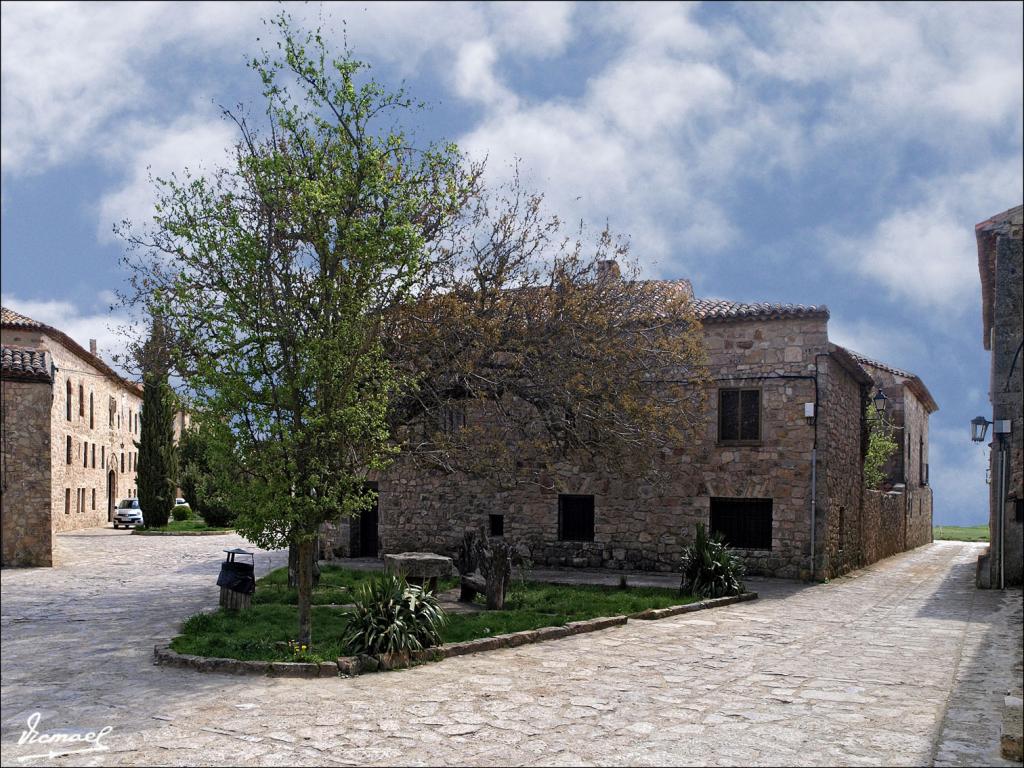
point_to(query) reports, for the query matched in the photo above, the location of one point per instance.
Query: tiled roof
(914, 382)
(24, 364)
(717, 310)
(864, 360)
(11, 319)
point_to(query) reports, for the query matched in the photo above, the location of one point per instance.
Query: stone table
(420, 568)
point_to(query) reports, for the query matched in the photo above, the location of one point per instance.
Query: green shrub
(217, 514)
(710, 568)
(182, 512)
(391, 616)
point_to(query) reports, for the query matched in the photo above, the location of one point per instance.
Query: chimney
(92, 346)
(609, 268)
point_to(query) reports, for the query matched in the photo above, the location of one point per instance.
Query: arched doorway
(111, 495)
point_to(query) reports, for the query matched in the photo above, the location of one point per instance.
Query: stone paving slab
(898, 664)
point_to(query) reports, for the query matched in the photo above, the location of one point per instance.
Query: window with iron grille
(743, 523)
(739, 415)
(497, 523)
(575, 517)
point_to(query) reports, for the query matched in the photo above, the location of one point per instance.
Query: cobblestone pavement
(898, 664)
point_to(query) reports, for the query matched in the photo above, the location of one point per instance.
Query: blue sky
(834, 154)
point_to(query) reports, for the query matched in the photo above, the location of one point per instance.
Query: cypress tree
(158, 461)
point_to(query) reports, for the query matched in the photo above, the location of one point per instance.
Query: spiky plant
(392, 616)
(710, 568)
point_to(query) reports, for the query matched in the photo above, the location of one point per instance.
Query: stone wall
(641, 524)
(883, 525)
(840, 443)
(25, 459)
(919, 526)
(1006, 393)
(109, 425)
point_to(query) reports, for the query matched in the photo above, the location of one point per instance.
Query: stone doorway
(363, 532)
(111, 495)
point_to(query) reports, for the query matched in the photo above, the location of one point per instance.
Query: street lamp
(1001, 431)
(979, 428)
(880, 401)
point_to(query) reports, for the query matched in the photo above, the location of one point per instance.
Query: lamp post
(1001, 430)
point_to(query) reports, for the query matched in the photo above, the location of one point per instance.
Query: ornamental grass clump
(392, 616)
(710, 568)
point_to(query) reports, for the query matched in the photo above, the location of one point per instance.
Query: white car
(128, 513)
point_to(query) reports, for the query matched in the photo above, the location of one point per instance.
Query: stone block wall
(840, 443)
(1006, 394)
(641, 524)
(883, 525)
(25, 471)
(919, 526)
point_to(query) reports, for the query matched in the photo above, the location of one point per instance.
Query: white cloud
(197, 142)
(886, 343)
(71, 68)
(926, 253)
(94, 322)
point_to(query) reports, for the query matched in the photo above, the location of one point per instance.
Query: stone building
(899, 517)
(777, 469)
(1002, 312)
(69, 422)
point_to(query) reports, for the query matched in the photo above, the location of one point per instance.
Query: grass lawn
(261, 633)
(960, 532)
(181, 526)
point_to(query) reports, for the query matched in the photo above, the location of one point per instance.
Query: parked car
(180, 502)
(128, 513)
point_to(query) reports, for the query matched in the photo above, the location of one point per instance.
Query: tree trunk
(306, 560)
(496, 592)
(293, 564)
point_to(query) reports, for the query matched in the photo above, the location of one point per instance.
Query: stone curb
(652, 614)
(349, 666)
(181, 533)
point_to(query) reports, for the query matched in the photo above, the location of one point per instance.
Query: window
(922, 467)
(67, 408)
(111, 410)
(92, 416)
(67, 501)
(94, 455)
(739, 415)
(452, 418)
(743, 523)
(81, 400)
(85, 455)
(122, 461)
(103, 457)
(69, 449)
(94, 498)
(575, 517)
(1018, 510)
(497, 525)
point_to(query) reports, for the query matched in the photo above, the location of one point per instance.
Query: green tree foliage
(338, 293)
(201, 487)
(158, 465)
(881, 446)
(273, 274)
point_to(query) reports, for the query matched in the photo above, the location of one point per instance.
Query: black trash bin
(237, 580)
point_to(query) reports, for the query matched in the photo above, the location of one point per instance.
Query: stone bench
(420, 568)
